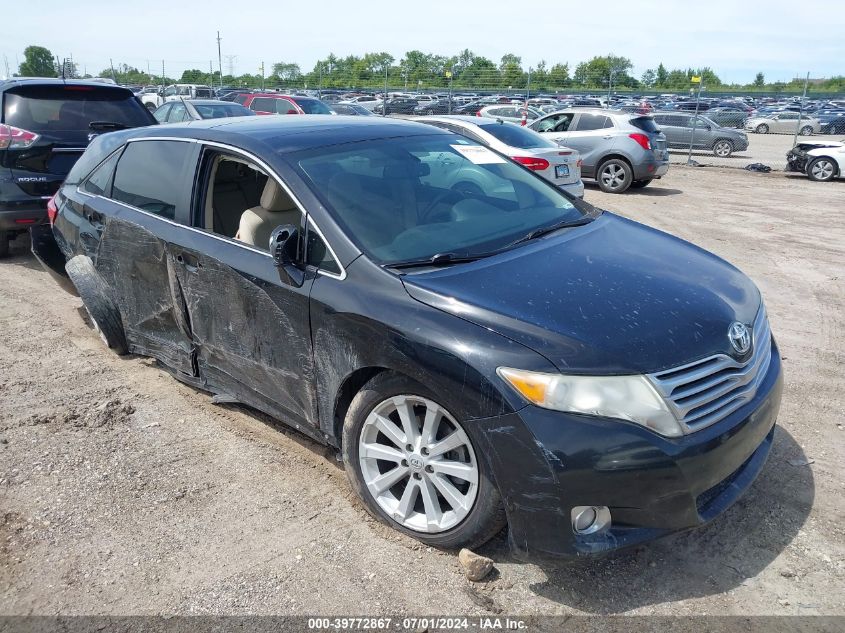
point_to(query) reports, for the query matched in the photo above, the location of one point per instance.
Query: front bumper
(546, 462)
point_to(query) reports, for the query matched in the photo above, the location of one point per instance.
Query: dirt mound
(102, 414)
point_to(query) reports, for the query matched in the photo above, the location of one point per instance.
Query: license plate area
(561, 171)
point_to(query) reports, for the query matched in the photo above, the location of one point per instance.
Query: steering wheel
(437, 200)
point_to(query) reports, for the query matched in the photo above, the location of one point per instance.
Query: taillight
(16, 138)
(52, 209)
(537, 164)
(642, 140)
(478, 113)
(579, 163)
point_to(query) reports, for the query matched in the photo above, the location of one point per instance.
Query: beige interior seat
(276, 209)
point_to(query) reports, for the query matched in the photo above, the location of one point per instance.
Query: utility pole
(219, 59)
(384, 108)
(6, 63)
(262, 75)
(162, 76)
(210, 75)
(695, 118)
(149, 74)
(320, 80)
(113, 76)
(801, 111)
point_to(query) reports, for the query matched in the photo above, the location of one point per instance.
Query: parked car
(783, 123)
(397, 105)
(509, 112)
(45, 125)
(728, 116)
(470, 108)
(440, 106)
(476, 359)
(561, 166)
(820, 160)
(176, 92)
(352, 109)
(236, 96)
(618, 149)
(682, 129)
(273, 103)
(831, 121)
(365, 101)
(198, 109)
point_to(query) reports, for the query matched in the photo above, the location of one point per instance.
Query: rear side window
(149, 174)
(99, 182)
(587, 122)
(58, 110)
(264, 104)
(645, 123)
(313, 106)
(516, 136)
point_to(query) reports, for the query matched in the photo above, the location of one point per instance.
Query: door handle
(190, 262)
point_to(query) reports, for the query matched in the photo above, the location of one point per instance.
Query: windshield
(516, 136)
(312, 106)
(412, 198)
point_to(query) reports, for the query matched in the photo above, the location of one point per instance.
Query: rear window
(53, 110)
(312, 106)
(645, 123)
(516, 136)
(220, 111)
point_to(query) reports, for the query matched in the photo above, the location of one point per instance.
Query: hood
(611, 297)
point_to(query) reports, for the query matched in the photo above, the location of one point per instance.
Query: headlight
(629, 398)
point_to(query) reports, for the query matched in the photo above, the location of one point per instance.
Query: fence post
(801, 111)
(695, 119)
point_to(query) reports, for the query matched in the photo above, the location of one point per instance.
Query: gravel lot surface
(769, 149)
(123, 491)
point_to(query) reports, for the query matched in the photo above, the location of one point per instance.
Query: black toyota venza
(482, 348)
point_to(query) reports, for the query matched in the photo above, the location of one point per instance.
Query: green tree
(559, 76)
(597, 72)
(759, 80)
(193, 76)
(661, 76)
(649, 78)
(38, 62)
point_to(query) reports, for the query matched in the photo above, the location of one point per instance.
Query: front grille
(705, 391)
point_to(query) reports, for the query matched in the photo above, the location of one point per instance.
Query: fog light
(590, 519)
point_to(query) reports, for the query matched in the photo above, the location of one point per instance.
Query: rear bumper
(47, 253)
(19, 211)
(546, 463)
(652, 168)
(575, 188)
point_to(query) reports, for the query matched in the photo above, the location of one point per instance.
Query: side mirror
(284, 241)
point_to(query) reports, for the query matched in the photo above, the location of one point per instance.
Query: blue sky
(783, 39)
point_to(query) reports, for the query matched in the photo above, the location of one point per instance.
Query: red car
(273, 103)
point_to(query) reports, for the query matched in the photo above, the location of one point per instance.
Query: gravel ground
(123, 491)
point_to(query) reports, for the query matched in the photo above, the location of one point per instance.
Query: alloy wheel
(722, 149)
(613, 176)
(418, 464)
(822, 170)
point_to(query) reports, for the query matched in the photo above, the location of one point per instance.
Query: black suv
(45, 125)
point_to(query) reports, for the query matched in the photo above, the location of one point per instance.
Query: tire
(4, 244)
(614, 176)
(723, 148)
(383, 498)
(96, 297)
(762, 129)
(807, 130)
(822, 169)
(639, 184)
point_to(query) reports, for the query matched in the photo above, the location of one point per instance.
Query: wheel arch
(811, 159)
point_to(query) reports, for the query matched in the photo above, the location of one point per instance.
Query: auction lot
(123, 491)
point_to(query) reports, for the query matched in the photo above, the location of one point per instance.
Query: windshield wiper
(545, 230)
(99, 126)
(441, 259)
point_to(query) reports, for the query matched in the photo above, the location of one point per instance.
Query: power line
(230, 63)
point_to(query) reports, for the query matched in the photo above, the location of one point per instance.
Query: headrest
(406, 170)
(274, 198)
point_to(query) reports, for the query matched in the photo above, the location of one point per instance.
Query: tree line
(421, 70)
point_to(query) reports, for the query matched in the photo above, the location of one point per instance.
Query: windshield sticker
(477, 154)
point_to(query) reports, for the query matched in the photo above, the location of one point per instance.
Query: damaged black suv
(45, 125)
(480, 347)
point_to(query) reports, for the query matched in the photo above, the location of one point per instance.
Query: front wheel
(806, 131)
(723, 149)
(762, 129)
(614, 176)
(417, 468)
(821, 169)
